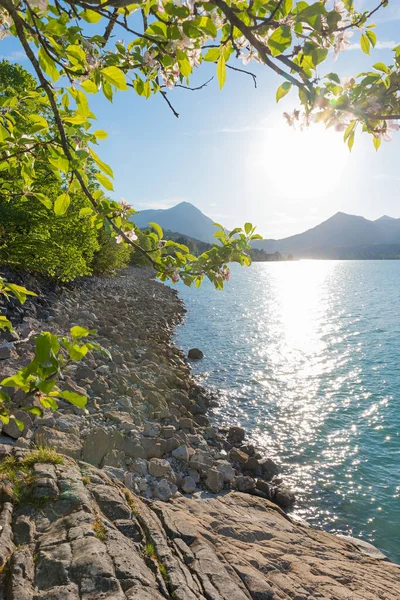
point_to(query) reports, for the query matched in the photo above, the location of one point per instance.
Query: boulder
(159, 467)
(163, 490)
(181, 453)
(7, 351)
(284, 496)
(201, 460)
(245, 484)
(12, 429)
(151, 430)
(238, 456)
(226, 469)
(265, 488)
(195, 354)
(214, 480)
(97, 444)
(188, 485)
(153, 447)
(269, 468)
(236, 434)
(66, 443)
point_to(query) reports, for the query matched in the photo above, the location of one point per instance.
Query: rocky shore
(149, 500)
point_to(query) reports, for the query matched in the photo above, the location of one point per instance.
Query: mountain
(342, 236)
(183, 218)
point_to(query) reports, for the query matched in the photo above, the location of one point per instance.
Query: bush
(110, 256)
(34, 239)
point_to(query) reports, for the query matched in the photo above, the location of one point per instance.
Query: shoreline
(192, 489)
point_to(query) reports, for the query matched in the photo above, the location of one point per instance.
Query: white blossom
(131, 235)
(40, 4)
(387, 131)
(341, 42)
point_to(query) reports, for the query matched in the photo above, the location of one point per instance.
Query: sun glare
(300, 164)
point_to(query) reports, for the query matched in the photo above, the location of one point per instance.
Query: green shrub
(110, 256)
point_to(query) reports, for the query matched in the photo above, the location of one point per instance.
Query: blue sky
(231, 154)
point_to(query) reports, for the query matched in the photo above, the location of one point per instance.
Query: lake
(306, 356)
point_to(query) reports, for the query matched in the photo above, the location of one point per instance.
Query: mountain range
(182, 218)
(341, 236)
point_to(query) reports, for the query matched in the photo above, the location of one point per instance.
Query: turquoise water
(306, 356)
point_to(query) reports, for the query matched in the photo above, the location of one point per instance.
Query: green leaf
(105, 181)
(100, 134)
(43, 348)
(377, 142)
(221, 71)
(5, 323)
(39, 123)
(184, 64)
(115, 76)
(212, 55)
(48, 65)
(371, 35)
(280, 40)
(102, 165)
(74, 398)
(90, 16)
(44, 200)
(79, 332)
(283, 90)
(35, 410)
(158, 229)
(248, 227)
(380, 66)
(61, 204)
(76, 54)
(85, 211)
(365, 44)
(350, 141)
(89, 86)
(48, 402)
(19, 424)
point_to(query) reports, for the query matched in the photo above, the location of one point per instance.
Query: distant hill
(183, 218)
(342, 236)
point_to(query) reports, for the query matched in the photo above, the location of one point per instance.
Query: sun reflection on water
(308, 362)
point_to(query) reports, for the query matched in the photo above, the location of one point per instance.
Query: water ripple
(306, 356)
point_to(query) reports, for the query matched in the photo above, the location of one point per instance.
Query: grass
(132, 505)
(11, 466)
(99, 530)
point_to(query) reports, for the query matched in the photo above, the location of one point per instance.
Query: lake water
(306, 356)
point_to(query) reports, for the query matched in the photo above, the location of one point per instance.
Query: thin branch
(364, 18)
(194, 89)
(110, 25)
(245, 72)
(165, 96)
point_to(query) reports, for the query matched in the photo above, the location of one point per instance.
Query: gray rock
(215, 480)
(68, 444)
(269, 468)
(151, 429)
(96, 446)
(139, 466)
(245, 484)
(163, 490)
(159, 467)
(13, 430)
(201, 460)
(226, 469)
(265, 488)
(186, 423)
(238, 456)
(236, 434)
(284, 496)
(188, 485)
(181, 453)
(153, 447)
(7, 351)
(168, 431)
(195, 354)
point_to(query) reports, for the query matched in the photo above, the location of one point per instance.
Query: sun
(300, 163)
